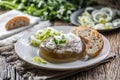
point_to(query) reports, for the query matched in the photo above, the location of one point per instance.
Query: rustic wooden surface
(109, 3)
(108, 71)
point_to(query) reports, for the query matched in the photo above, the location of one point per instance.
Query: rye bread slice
(93, 40)
(16, 22)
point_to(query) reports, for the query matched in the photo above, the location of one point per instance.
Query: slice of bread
(16, 22)
(93, 40)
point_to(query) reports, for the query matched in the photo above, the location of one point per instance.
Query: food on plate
(39, 60)
(86, 20)
(42, 34)
(92, 38)
(57, 47)
(16, 22)
(63, 48)
(104, 18)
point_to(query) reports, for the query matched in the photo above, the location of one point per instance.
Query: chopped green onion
(55, 41)
(39, 60)
(42, 35)
(34, 42)
(63, 40)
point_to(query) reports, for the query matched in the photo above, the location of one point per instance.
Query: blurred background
(54, 9)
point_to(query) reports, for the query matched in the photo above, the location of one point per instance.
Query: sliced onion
(108, 11)
(118, 12)
(89, 9)
(86, 14)
(94, 12)
(108, 25)
(99, 15)
(86, 21)
(116, 22)
(99, 26)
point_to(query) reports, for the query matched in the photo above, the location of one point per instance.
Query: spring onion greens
(41, 35)
(39, 60)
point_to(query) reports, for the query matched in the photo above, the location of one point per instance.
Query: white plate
(27, 52)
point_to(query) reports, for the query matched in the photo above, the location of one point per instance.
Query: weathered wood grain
(110, 3)
(108, 71)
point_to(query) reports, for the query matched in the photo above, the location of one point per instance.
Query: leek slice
(39, 60)
(41, 35)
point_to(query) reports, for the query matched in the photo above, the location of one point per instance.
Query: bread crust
(97, 53)
(87, 39)
(16, 22)
(100, 49)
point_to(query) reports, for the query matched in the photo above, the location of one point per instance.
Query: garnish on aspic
(41, 35)
(54, 38)
(61, 40)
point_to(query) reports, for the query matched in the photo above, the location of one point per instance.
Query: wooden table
(108, 71)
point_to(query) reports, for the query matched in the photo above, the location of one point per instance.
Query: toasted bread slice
(16, 22)
(93, 40)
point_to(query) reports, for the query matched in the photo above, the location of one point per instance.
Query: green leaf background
(46, 9)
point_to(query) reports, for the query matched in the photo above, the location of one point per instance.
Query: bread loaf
(16, 22)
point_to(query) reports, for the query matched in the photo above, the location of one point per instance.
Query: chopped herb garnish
(39, 60)
(41, 36)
